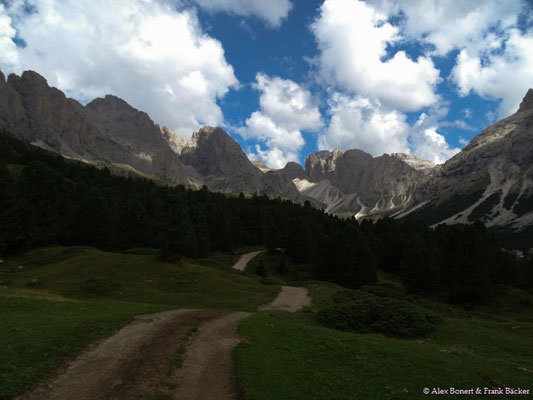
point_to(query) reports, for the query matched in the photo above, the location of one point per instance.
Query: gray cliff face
(33, 111)
(225, 167)
(321, 165)
(355, 183)
(222, 163)
(143, 139)
(42, 115)
(491, 179)
(281, 181)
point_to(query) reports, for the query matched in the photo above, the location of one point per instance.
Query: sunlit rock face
(491, 179)
(355, 183)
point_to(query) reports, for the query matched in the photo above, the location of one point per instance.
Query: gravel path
(134, 363)
(208, 368)
(245, 259)
(290, 299)
(130, 364)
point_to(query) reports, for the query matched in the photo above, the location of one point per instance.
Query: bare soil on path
(130, 364)
(245, 259)
(208, 368)
(136, 362)
(290, 299)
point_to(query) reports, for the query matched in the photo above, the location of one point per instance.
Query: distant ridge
(490, 180)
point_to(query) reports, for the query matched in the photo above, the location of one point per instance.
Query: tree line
(46, 199)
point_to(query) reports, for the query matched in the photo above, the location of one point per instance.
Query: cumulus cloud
(427, 143)
(447, 25)
(8, 48)
(353, 38)
(155, 57)
(360, 123)
(495, 57)
(274, 12)
(359, 57)
(273, 157)
(498, 72)
(286, 109)
(357, 122)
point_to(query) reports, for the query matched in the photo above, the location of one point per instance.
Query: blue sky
(288, 77)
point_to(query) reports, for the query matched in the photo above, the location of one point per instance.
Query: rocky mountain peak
(321, 165)
(294, 170)
(174, 140)
(33, 78)
(259, 164)
(527, 102)
(414, 161)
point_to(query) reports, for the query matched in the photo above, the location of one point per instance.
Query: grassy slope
(40, 328)
(141, 278)
(38, 332)
(292, 357)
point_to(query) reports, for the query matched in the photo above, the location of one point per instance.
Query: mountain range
(490, 180)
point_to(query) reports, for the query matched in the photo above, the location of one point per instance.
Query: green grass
(87, 273)
(39, 332)
(180, 353)
(293, 357)
(85, 294)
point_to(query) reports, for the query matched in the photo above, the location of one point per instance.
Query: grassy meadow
(293, 357)
(55, 301)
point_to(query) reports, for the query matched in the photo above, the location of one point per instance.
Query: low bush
(391, 317)
(384, 290)
(349, 296)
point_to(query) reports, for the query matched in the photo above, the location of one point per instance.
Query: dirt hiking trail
(128, 365)
(245, 259)
(290, 299)
(137, 362)
(208, 368)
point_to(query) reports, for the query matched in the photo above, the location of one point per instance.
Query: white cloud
(288, 103)
(427, 143)
(451, 24)
(463, 141)
(286, 109)
(360, 123)
(502, 73)
(274, 157)
(467, 112)
(8, 49)
(155, 57)
(353, 37)
(357, 122)
(261, 127)
(358, 57)
(495, 59)
(271, 11)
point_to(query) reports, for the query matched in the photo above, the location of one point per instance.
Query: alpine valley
(490, 180)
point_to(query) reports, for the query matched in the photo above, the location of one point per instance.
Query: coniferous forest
(46, 200)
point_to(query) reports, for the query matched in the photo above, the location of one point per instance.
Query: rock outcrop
(491, 179)
(355, 183)
(144, 140)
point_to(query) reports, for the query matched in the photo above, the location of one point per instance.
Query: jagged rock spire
(527, 102)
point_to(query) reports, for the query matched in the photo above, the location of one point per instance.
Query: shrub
(384, 290)
(391, 317)
(349, 296)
